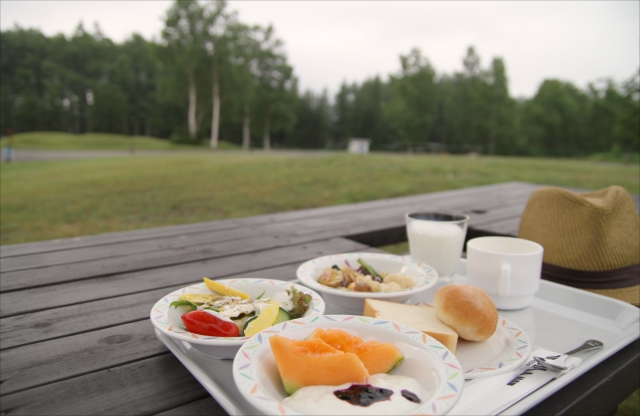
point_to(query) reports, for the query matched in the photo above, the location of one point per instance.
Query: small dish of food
(347, 279)
(217, 316)
(346, 364)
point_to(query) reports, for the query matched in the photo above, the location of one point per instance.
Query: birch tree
(244, 63)
(186, 32)
(217, 44)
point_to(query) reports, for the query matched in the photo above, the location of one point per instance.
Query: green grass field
(96, 141)
(50, 200)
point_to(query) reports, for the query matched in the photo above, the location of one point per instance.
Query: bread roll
(468, 310)
(420, 317)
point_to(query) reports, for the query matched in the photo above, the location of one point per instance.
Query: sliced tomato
(208, 323)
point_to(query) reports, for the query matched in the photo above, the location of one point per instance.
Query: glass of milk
(437, 239)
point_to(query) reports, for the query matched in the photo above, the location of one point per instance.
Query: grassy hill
(97, 141)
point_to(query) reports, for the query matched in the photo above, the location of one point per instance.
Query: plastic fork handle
(591, 344)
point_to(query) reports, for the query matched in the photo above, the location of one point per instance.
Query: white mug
(507, 268)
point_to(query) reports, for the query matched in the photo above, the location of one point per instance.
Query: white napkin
(493, 395)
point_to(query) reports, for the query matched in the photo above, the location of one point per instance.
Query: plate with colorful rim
(426, 360)
(505, 350)
(168, 320)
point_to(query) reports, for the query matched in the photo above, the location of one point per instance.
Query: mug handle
(505, 281)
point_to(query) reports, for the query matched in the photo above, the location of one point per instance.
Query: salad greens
(300, 303)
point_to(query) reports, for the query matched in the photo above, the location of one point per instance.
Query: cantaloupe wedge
(313, 362)
(337, 338)
(377, 357)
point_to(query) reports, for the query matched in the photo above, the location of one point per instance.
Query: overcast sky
(328, 42)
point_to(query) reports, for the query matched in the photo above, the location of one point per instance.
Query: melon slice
(377, 357)
(313, 362)
(337, 338)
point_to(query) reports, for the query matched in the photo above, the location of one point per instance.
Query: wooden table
(75, 336)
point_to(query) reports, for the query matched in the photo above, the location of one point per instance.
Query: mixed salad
(364, 278)
(229, 312)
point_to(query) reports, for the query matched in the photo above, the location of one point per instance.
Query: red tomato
(204, 323)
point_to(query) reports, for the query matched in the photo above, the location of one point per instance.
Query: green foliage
(312, 127)
(46, 200)
(411, 111)
(555, 118)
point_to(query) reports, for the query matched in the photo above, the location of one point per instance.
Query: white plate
(437, 370)
(423, 275)
(222, 347)
(508, 348)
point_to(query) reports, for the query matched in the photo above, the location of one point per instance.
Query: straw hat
(591, 240)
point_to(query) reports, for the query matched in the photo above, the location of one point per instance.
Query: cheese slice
(200, 298)
(420, 317)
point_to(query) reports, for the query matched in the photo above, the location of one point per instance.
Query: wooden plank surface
(65, 358)
(70, 293)
(149, 386)
(206, 406)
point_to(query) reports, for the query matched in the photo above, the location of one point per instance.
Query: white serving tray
(560, 318)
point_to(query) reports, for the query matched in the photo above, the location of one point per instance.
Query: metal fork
(556, 362)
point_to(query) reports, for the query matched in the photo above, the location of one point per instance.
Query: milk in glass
(439, 244)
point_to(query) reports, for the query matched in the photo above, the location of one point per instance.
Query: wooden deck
(75, 336)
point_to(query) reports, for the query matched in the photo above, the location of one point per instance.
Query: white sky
(328, 42)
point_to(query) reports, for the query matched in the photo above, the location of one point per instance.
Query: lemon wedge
(266, 318)
(223, 289)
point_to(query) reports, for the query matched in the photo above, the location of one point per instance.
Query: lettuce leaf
(300, 302)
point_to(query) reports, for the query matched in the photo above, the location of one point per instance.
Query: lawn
(94, 141)
(51, 200)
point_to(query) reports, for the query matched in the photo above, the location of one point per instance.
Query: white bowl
(352, 302)
(434, 367)
(169, 322)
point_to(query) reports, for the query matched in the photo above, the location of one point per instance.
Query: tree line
(212, 77)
